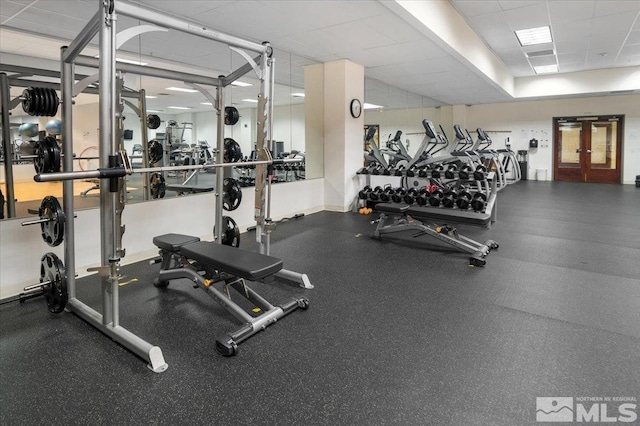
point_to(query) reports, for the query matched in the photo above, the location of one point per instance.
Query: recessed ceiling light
(371, 106)
(240, 83)
(206, 103)
(255, 101)
(178, 107)
(533, 36)
(150, 96)
(546, 69)
(152, 110)
(298, 95)
(182, 89)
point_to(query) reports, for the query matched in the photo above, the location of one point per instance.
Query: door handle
(578, 151)
(588, 151)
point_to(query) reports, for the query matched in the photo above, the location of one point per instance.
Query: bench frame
(174, 265)
(394, 219)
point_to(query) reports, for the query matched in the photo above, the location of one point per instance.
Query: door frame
(581, 174)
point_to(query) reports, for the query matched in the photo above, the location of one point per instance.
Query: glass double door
(588, 149)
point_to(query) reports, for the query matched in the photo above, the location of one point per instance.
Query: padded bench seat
(391, 208)
(191, 189)
(455, 216)
(241, 263)
(173, 242)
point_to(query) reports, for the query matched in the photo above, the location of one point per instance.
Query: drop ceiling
(403, 66)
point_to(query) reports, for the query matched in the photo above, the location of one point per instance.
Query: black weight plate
(55, 293)
(27, 102)
(157, 185)
(54, 151)
(232, 194)
(153, 121)
(230, 232)
(155, 151)
(43, 159)
(231, 115)
(44, 106)
(54, 102)
(53, 230)
(232, 151)
(37, 102)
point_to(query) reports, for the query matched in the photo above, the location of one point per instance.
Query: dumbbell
(436, 197)
(400, 170)
(435, 172)
(387, 171)
(464, 172)
(411, 171)
(410, 196)
(386, 194)
(479, 174)
(478, 202)
(422, 172)
(398, 195)
(464, 199)
(375, 194)
(449, 198)
(450, 172)
(363, 194)
(376, 170)
(422, 197)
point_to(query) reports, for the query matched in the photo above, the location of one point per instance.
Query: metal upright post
(219, 160)
(142, 105)
(67, 74)
(107, 130)
(262, 151)
(6, 146)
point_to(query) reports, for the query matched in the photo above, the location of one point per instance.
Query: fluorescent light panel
(371, 106)
(255, 101)
(298, 95)
(206, 103)
(150, 96)
(533, 36)
(546, 69)
(152, 110)
(182, 89)
(178, 107)
(241, 84)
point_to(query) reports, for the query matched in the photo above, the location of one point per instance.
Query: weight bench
(182, 189)
(401, 217)
(208, 263)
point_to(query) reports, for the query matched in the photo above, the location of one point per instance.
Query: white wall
(22, 248)
(520, 121)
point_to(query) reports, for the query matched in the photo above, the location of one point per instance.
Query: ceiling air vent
(538, 53)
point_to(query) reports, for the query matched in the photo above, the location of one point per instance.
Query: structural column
(334, 85)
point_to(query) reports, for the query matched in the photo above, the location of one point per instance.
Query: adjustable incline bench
(401, 217)
(208, 263)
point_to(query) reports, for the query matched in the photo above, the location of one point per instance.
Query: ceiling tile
(610, 7)
(517, 4)
(612, 23)
(357, 35)
(470, 8)
(393, 28)
(563, 11)
(527, 17)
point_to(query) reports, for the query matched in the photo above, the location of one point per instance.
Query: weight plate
(158, 186)
(232, 151)
(44, 106)
(155, 151)
(54, 102)
(55, 293)
(43, 159)
(53, 230)
(232, 194)
(230, 232)
(54, 149)
(153, 121)
(231, 115)
(26, 101)
(37, 102)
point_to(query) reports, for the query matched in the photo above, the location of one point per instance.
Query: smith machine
(115, 165)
